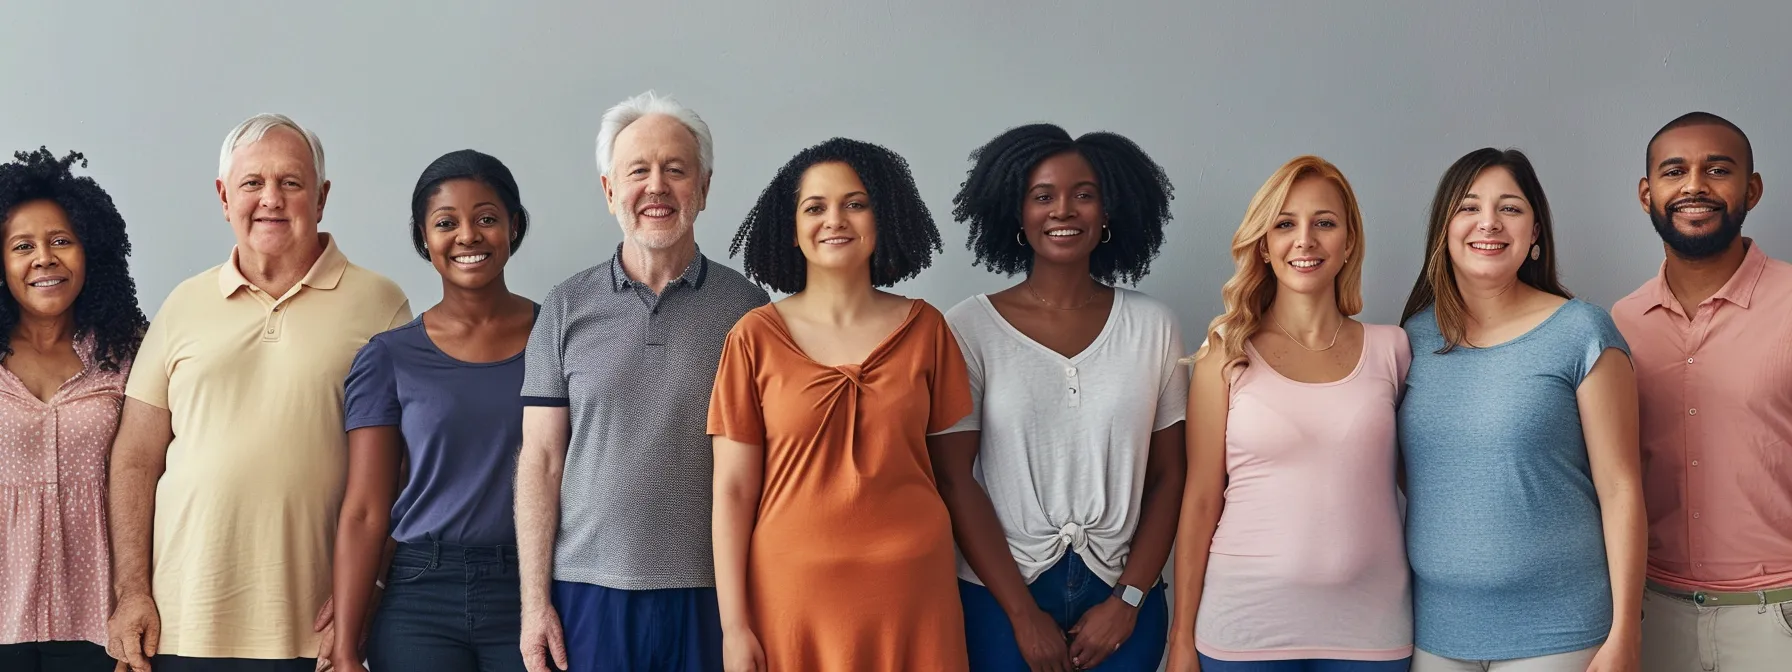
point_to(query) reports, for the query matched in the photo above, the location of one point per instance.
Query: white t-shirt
(1065, 440)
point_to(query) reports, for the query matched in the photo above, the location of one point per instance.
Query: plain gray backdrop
(1220, 93)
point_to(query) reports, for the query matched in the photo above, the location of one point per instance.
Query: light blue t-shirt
(1503, 527)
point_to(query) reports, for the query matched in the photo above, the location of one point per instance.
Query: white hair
(254, 128)
(632, 110)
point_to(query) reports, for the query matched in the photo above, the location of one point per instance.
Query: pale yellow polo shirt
(245, 515)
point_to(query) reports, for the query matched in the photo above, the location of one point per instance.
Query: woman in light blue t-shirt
(1525, 526)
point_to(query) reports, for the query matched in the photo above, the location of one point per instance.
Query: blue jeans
(1065, 591)
(667, 630)
(449, 608)
(1309, 665)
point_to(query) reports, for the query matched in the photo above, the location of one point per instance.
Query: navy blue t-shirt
(462, 423)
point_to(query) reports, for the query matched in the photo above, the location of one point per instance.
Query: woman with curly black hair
(1066, 480)
(833, 549)
(71, 325)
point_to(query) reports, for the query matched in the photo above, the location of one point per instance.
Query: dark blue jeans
(665, 630)
(449, 608)
(1310, 665)
(1066, 592)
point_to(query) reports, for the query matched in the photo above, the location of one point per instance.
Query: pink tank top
(1309, 559)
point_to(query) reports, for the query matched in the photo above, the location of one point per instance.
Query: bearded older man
(613, 482)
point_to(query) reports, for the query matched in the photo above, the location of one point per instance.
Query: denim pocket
(405, 572)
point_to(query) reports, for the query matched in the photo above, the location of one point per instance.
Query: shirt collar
(1739, 289)
(692, 277)
(325, 273)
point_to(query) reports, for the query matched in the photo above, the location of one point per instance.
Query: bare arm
(1203, 495)
(739, 479)
(139, 456)
(974, 523)
(1166, 475)
(1608, 411)
(547, 430)
(361, 530)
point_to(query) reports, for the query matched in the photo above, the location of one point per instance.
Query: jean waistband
(436, 553)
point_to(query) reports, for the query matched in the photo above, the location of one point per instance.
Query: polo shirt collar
(692, 277)
(325, 273)
(1739, 289)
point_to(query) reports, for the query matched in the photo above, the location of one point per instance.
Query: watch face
(1131, 596)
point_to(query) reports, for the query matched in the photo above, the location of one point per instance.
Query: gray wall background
(1221, 93)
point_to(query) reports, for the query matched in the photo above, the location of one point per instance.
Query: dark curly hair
(107, 307)
(1135, 196)
(467, 164)
(906, 235)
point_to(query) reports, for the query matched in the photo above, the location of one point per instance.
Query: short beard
(1703, 246)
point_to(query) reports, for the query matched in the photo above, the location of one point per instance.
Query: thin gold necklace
(1303, 346)
(1029, 285)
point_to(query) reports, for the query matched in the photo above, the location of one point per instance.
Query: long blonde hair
(1252, 288)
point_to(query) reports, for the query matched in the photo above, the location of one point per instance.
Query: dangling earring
(1536, 251)
(1107, 234)
(1019, 239)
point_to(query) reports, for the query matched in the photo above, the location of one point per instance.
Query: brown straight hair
(1436, 285)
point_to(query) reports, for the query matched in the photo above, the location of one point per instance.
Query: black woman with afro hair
(1080, 407)
(824, 497)
(71, 325)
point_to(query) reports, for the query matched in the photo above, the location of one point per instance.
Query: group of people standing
(657, 467)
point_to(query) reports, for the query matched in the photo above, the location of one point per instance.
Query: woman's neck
(1062, 285)
(476, 306)
(1490, 302)
(1311, 319)
(44, 333)
(837, 297)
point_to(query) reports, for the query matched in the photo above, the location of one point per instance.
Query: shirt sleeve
(544, 370)
(1604, 336)
(1172, 392)
(735, 411)
(148, 379)
(370, 395)
(973, 362)
(949, 386)
(402, 316)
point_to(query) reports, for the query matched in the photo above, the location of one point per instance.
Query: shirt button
(1695, 463)
(1688, 360)
(1695, 515)
(1070, 373)
(1692, 411)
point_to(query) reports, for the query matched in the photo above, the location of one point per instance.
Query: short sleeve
(148, 380)
(1172, 392)
(370, 394)
(402, 316)
(949, 386)
(1602, 335)
(973, 362)
(544, 370)
(735, 412)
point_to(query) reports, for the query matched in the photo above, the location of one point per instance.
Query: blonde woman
(1290, 554)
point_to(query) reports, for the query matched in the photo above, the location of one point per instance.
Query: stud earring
(1536, 252)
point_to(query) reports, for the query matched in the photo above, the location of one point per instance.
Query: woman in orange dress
(833, 549)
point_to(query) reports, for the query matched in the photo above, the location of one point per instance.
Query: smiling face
(45, 263)
(468, 233)
(658, 184)
(1062, 216)
(1309, 241)
(1699, 189)
(271, 196)
(1492, 229)
(835, 227)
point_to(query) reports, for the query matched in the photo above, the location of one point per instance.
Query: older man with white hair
(230, 460)
(613, 482)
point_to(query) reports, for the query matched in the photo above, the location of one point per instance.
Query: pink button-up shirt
(55, 576)
(1716, 399)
